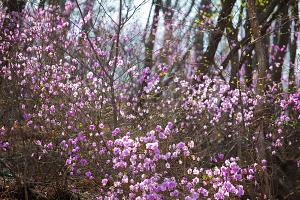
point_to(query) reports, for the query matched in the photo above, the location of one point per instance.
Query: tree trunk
(293, 44)
(260, 87)
(283, 39)
(149, 47)
(216, 36)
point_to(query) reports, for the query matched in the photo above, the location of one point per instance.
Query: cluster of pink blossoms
(145, 168)
(65, 97)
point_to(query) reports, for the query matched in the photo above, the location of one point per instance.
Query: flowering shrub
(143, 168)
(77, 108)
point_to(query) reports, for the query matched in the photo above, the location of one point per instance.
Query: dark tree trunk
(216, 36)
(260, 87)
(283, 39)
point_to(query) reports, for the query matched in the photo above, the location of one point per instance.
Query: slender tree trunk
(149, 47)
(168, 13)
(260, 87)
(232, 40)
(117, 51)
(216, 36)
(293, 44)
(283, 39)
(259, 47)
(199, 37)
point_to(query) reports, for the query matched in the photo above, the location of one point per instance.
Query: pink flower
(104, 181)
(116, 132)
(90, 75)
(92, 127)
(83, 162)
(88, 174)
(101, 125)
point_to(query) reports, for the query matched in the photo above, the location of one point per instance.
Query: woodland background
(149, 99)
